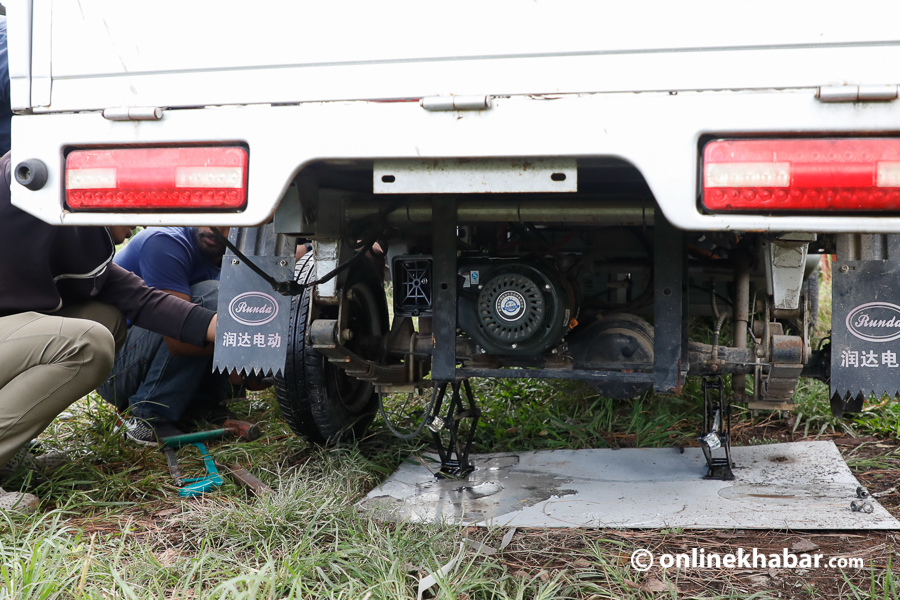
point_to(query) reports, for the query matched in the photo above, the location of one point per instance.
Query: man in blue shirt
(158, 380)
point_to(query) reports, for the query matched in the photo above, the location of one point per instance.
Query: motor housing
(514, 307)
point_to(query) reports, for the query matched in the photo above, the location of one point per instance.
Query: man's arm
(157, 310)
(177, 348)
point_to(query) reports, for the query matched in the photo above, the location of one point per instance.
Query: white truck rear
(547, 177)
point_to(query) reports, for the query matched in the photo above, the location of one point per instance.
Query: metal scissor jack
(716, 430)
(454, 455)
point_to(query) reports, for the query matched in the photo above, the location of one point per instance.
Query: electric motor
(514, 307)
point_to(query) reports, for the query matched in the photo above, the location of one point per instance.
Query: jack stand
(716, 430)
(454, 459)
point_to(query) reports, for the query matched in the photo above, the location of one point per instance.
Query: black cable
(707, 290)
(292, 288)
(414, 434)
(253, 267)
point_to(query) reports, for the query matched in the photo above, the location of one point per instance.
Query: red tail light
(157, 178)
(802, 175)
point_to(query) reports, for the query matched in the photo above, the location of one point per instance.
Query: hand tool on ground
(188, 488)
(245, 478)
(199, 485)
(242, 429)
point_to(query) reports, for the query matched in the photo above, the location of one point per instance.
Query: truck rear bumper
(658, 133)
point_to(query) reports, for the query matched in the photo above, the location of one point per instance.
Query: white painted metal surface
(275, 51)
(327, 257)
(568, 79)
(492, 176)
(785, 270)
(802, 485)
(18, 28)
(580, 125)
(41, 53)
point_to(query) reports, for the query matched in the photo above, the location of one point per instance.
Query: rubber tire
(309, 393)
(810, 289)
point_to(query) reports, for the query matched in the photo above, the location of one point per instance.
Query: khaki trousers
(47, 362)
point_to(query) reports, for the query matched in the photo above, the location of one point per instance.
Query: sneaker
(24, 461)
(18, 502)
(147, 433)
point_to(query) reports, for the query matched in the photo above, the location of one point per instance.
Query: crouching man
(62, 301)
(161, 383)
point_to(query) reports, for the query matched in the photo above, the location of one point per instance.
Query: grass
(112, 525)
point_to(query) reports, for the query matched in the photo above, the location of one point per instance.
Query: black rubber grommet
(31, 173)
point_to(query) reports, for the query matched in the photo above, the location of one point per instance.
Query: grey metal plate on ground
(800, 485)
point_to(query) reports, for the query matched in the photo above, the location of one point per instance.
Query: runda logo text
(253, 308)
(875, 322)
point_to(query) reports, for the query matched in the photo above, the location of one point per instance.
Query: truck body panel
(665, 148)
(333, 104)
(304, 83)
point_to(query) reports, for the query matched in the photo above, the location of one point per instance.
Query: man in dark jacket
(62, 302)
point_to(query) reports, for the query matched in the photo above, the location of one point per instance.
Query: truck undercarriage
(560, 205)
(594, 285)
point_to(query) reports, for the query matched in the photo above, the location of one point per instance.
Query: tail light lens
(157, 178)
(802, 175)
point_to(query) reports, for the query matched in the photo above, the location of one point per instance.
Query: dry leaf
(480, 548)
(168, 557)
(581, 563)
(655, 585)
(507, 538)
(804, 545)
(426, 582)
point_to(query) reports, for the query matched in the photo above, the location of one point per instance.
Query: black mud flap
(865, 332)
(251, 333)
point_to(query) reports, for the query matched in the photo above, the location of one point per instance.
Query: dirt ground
(546, 551)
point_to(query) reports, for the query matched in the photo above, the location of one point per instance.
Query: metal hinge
(856, 93)
(442, 103)
(133, 113)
